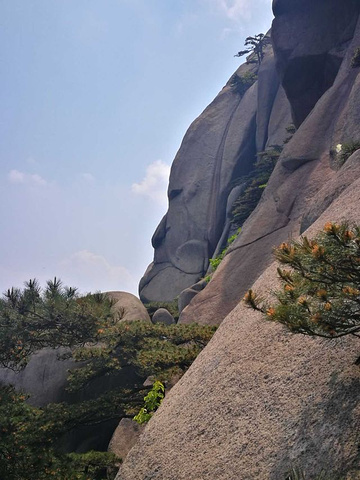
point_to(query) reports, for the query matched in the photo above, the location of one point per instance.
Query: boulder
(163, 316)
(125, 436)
(188, 294)
(128, 307)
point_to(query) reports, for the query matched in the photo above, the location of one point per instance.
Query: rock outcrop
(287, 206)
(310, 39)
(258, 399)
(219, 147)
(125, 437)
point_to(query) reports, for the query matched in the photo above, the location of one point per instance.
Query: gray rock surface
(218, 148)
(188, 294)
(310, 39)
(305, 168)
(124, 438)
(163, 316)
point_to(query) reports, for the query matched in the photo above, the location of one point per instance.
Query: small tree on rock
(320, 292)
(255, 45)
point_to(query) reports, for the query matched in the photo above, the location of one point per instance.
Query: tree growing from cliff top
(255, 45)
(320, 292)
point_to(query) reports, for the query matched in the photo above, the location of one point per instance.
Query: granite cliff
(258, 399)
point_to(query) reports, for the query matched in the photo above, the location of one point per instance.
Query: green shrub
(256, 181)
(152, 402)
(355, 61)
(242, 83)
(29, 444)
(215, 262)
(345, 150)
(291, 129)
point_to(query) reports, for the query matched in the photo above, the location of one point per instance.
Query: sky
(96, 96)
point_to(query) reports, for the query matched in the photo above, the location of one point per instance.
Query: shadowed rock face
(219, 147)
(310, 39)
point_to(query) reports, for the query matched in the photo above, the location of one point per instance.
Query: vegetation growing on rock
(255, 45)
(215, 262)
(355, 61)
(152, 402)
(243, 82)
(344, 150)
(320, 292)
(32, 319)
(256, 181)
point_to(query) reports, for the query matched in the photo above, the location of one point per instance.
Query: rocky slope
(258, 399)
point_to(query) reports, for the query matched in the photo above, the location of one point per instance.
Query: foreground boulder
(125, 437)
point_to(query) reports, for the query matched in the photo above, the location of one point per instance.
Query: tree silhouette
(255, 45)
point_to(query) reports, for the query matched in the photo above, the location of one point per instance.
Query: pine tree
(320, 292)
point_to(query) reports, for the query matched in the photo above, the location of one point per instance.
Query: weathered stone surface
(258, 399)
(44, 377)
(163, 316)
(310, 39)
(268, 86)
(124, 438)
(279, 120)
(219, 147)
(304, 169)
(188, 294)
(128, 307)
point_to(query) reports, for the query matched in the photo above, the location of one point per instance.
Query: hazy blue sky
(96, 96)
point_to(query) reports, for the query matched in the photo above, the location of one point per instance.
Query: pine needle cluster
(320, 292)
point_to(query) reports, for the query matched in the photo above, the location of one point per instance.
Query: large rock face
(258, 399)
(219, 147)
(288, 204)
